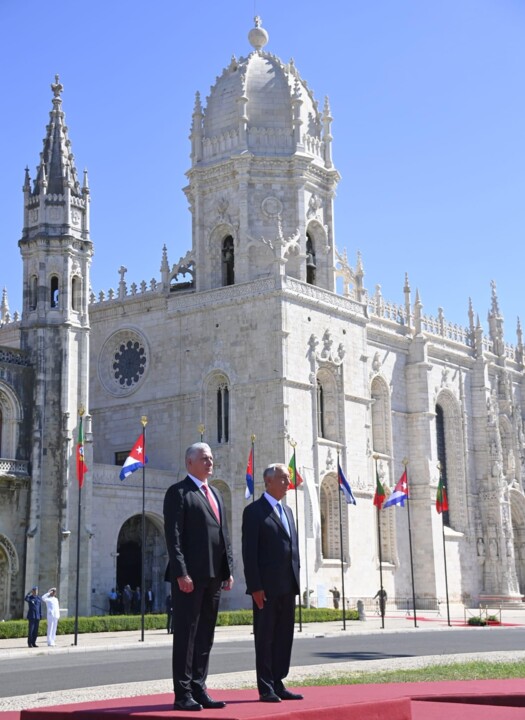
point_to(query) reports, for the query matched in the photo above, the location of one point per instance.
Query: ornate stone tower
(261, 176)
(56, 252)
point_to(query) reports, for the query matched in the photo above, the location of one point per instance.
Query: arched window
(228, 262)
(76, 284)
(381, 427)
(327, 404)
(311, 266)
(331, 530)
(442, 456)
(320, 410)
(216, 412)
(54, 291)
(33, 292)
(223, 413)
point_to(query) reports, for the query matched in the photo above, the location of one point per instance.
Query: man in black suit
(200, 564)
(271, 567)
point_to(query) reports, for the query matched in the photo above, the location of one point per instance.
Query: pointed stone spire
(57, 169)
(196, 130)
(327, 134)
(165, 268)
(406, 291)
(4, 307)
(519, 345)
(478, 338)
(57, 199)
(471, 317)
(496, 324)
(418, 307)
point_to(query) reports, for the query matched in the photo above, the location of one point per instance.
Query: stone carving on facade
(11, 553)
(281, 246)
(271, 206)
(186, 265)
(352, 279)
(315, 204)
(330, 464)
(327, 354)
(376, 364)
(480, 545)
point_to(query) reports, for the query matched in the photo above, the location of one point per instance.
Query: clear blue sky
(429, 130)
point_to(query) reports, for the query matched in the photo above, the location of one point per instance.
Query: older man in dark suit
(271, 567)
(200, 565)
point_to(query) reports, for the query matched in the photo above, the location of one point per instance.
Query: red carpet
(460, 700)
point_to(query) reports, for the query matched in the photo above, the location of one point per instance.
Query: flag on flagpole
(135, 459)
(249, 477)
(400, 493)
(379, 496)
(295, 477)
(81, 462)
(441, 497)
(344, 486)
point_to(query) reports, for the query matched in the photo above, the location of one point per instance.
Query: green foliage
(479, 621)
(477, 670)
(116, 623)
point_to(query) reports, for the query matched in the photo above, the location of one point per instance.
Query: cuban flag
(135, 459)
(345, 487)
(400, 493)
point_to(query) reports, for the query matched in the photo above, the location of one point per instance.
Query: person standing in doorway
(53, 614)
(34, 615)
(270, 555)
(200, 565)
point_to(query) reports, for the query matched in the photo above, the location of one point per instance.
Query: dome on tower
(258, 105)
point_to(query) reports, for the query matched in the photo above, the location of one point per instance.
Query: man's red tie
(213, 502)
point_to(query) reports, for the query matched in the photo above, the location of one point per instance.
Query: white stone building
(262, 328)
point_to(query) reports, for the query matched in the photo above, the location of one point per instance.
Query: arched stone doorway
(129, 558)
(8, 570)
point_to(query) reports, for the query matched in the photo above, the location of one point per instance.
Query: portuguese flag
(295, 478)
(441, 497)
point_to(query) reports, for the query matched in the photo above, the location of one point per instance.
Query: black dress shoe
(209, 703)
(269, 697)
(287, 695)
(186, 704)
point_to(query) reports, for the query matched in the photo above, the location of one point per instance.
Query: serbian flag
(400, 493)
(135, 459)
(295, 478)
(441, 497)
(344, 486)
(249, 477)
(81, 463)
(379, 495)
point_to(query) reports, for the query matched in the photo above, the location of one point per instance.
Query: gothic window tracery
(327, 404)
(331, 530)
(382, 446)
